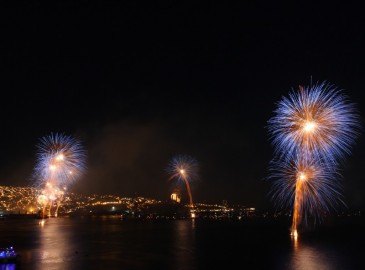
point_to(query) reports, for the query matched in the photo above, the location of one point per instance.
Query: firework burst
(318, 121)
(308, 186)
(60, 160)
(185, 169)
(312, 131)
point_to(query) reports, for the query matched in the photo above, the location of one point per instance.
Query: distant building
(225, 203)
(175, 196)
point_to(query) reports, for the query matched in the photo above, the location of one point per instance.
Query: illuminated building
(175, 196)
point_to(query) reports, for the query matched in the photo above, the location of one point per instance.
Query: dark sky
(138, 83)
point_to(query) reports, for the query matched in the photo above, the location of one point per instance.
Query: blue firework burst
(318, 120)
(60, 160)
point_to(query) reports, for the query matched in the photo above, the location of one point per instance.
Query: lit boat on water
(8, 255)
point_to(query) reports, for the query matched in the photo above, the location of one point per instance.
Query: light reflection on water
(54, 241)
(108, 243)
(8, 266)
(307, 255)
(185, 247)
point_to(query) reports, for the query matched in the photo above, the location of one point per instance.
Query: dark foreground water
(111, 243)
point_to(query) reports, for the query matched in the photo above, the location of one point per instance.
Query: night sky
(138, 83)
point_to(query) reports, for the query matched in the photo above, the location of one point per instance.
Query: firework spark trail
(42, 200)
(309, 187)
(183, 168)
(312, 131)
(60, 198)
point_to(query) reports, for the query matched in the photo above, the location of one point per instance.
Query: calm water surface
(111, 243)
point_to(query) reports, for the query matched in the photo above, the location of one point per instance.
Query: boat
(8, 255)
